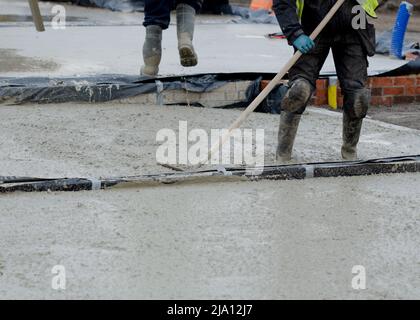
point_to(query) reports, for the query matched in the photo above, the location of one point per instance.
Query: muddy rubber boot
(289, 123)
(351, 134)
(152, 51)
(297, 96)
(185, 19)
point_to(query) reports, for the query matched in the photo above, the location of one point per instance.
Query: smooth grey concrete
(265, 240)
(99, 48)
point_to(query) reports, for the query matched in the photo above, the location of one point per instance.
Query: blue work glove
(304, 44)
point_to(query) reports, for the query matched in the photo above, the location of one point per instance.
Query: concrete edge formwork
(273, 172)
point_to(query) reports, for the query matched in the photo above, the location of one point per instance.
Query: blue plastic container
(400, 27)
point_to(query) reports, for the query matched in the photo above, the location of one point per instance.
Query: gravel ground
(120, 139)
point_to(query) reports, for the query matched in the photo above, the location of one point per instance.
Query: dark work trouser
(158, 12)
(350, 60)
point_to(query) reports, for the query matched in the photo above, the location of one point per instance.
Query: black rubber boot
(185, 18)
(152, 51)
(289, 123)
(351, 135)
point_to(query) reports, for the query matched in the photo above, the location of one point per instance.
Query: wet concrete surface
(28, 18)
(75, 15)
(117, 139)
(111, 42)
(85, 51)
(403, 115)
(265, 240)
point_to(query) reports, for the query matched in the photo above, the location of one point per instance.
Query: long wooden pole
(36, 15)
(263, 94)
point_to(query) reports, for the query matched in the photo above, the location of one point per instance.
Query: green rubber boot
(152, 51)
(351, 135)
(289, 123)
(185, 18)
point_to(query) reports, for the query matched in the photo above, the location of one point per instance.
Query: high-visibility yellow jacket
(368, 5)
(297, 17)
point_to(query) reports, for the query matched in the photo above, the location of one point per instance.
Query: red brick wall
(385, 91)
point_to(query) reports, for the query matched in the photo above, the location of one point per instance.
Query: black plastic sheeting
(383, 44)
(218, 7)
(253, 16)
(276, 172)
(99, 88)
(412, 67)
(116, 87)
(114, 5)
(209, 6)
(271, 104)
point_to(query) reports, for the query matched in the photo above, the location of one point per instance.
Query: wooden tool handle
(36, 15)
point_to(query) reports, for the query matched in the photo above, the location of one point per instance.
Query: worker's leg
(156, 18)
(158, 13)
(185, 16)
(351, 65)
(302, 82)
(196, 4)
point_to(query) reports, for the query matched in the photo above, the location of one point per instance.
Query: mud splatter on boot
(289, 123)
(152, 51)
(185, 17)
(297, 96)
(351, 135)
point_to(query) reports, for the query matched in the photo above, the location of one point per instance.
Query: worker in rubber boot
(157, 18)
(351, 40)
